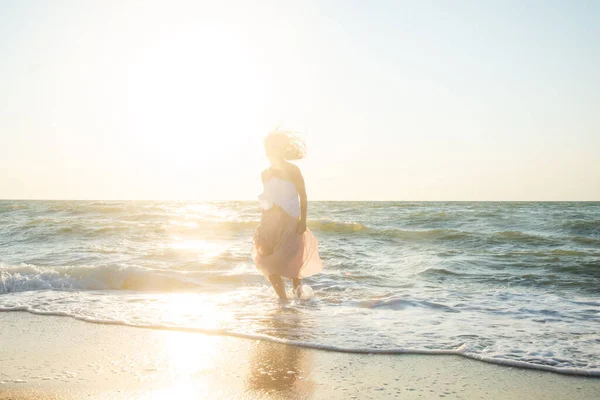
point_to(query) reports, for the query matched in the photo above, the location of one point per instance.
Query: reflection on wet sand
(280, 371)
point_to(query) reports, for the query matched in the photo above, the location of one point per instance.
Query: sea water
(510, 283)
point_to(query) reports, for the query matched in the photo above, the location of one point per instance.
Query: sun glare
(206, 250)
(188, 356)
(192, 102)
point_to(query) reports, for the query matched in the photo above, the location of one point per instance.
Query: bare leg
(297, 285)
(279, 286)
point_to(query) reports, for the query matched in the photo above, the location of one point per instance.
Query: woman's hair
(286, 144)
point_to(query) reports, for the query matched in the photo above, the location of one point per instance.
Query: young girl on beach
(283, 246)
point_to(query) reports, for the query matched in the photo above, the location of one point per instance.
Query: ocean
(515, 283)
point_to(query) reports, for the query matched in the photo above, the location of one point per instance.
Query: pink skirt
(279, 250)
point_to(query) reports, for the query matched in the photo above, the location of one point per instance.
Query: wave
(561, 252)
(462, 351)
(26, 277)
(323, 225)
(401, 304)
(586, 240)
(432, 234)
(548, 253)
(438, 271)
(519, 236)
(424, 218)
(583, 227)
(84, 207)
(142, 221)
(93, 230)
(40, 229)
(336, 226)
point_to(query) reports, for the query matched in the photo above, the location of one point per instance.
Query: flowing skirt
(279, 250)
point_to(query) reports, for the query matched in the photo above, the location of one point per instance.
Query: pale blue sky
(398, 100)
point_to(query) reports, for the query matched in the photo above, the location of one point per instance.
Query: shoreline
(459, 352)
(48, 357)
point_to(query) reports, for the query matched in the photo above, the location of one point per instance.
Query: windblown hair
(287, 144)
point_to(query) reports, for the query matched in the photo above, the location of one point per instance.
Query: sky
(397, 100)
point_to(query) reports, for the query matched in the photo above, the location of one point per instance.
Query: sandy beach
(61, 358)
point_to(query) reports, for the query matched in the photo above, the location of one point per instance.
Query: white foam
(459, 351)
(26, 277)
(306, 291)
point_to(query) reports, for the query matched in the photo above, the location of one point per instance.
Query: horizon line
(316, 200)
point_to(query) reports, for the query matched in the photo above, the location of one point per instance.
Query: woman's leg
(278, 285)
(297, 285)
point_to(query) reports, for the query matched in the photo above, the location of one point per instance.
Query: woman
(283, 246)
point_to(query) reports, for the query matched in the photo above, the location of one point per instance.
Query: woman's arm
(301, 188)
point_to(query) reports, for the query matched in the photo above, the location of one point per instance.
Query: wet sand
(61, 358)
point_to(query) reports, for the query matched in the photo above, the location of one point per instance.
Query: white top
(281, 192)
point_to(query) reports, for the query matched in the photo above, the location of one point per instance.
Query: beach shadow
(280, 371)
